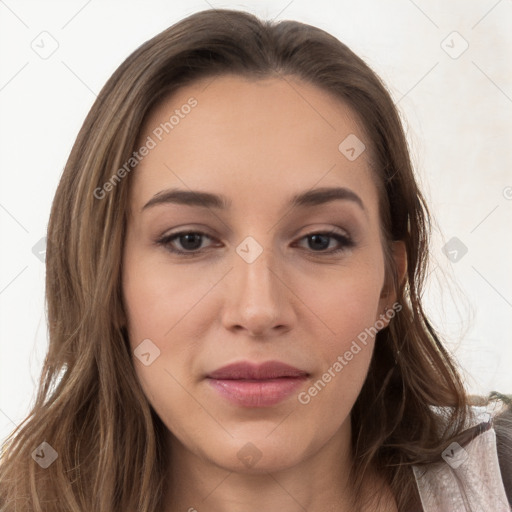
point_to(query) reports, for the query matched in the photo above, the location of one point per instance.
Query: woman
(250, 369)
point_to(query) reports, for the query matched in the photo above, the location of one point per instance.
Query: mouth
(256, 385)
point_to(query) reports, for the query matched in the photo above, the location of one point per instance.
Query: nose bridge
(257, 293)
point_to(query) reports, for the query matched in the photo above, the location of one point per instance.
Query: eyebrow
(309, 198)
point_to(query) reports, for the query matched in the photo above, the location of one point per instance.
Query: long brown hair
(90, 407)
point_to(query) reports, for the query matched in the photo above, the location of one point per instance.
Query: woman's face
(259, 280)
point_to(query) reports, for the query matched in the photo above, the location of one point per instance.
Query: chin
(255, 454)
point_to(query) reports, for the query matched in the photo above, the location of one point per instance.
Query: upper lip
(248, 370)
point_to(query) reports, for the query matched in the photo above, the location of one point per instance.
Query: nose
(258, 298)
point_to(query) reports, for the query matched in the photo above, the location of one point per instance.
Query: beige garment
(469, 477)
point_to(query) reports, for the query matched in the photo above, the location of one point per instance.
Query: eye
(190, 242)
(319, 241)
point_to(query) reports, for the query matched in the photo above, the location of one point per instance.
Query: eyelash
(166, 240)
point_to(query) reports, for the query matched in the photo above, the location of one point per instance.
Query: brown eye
(320, 241)
(190, 241)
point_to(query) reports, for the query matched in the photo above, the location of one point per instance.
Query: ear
(388, 294)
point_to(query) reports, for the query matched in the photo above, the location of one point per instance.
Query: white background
(457, 112)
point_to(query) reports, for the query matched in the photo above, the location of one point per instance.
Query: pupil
(187, 237)
(324, 245)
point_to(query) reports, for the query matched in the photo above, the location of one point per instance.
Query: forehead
(252, 138)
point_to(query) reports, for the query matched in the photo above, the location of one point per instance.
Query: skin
(256, 142)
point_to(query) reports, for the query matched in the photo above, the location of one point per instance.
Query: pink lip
(256, 385)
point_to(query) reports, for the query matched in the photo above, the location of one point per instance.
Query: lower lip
(257, 393)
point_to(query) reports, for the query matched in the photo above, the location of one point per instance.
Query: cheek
(158, 308)
(159, 297)
(153, 309)
(347, 313)
(343, 304)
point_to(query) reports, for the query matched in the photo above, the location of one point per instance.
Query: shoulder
(475, 471)
(502, 423)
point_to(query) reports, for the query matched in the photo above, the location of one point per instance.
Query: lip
(249, 384)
